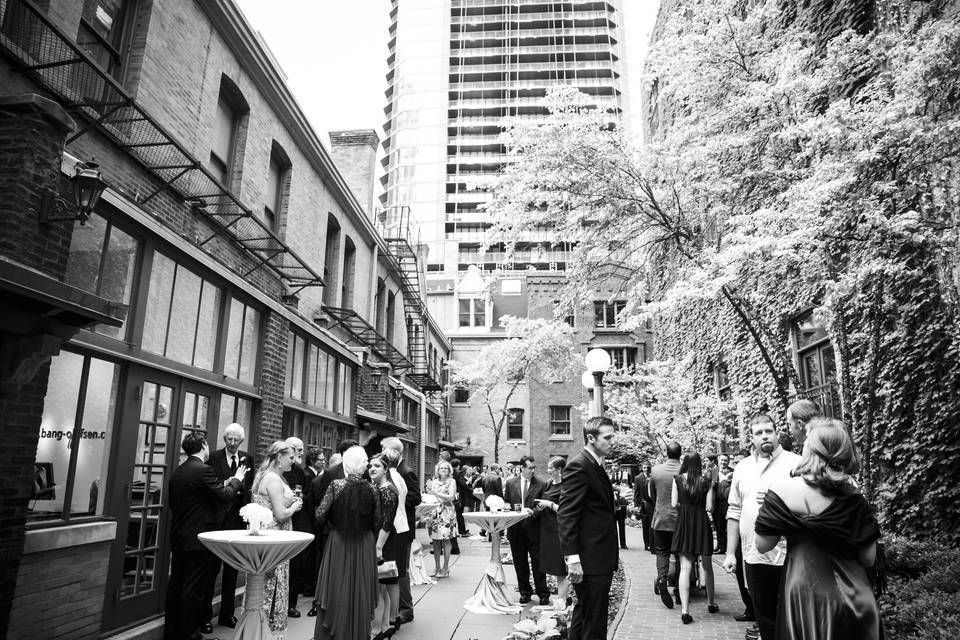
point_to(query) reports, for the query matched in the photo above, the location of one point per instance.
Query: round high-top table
(491, 596)
(256, 556)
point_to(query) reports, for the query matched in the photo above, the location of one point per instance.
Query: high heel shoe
(686, 617)
(713, 607)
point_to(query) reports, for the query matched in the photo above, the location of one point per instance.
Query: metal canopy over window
(367, 336)
(50, 57)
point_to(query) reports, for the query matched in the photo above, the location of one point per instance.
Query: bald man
(225, 463)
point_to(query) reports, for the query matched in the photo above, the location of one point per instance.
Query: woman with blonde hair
(347, 584)
(388, 549)
(832, 538)
(443, 524)
(270, 490)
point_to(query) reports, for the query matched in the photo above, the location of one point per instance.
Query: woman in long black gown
(831, 541)
(551, 558)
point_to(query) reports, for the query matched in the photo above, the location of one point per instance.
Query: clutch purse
(387, 569)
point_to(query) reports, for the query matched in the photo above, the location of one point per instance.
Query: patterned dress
(443, 524)
(275, 594)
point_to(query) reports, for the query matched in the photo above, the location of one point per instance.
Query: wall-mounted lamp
(397, 393)
(290, 299)
(88, 186)
(380, 370)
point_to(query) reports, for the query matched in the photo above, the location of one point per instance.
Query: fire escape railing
(43, 52)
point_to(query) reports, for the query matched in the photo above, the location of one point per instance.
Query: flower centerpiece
(551, 623)
(256, 516)
(495, 503)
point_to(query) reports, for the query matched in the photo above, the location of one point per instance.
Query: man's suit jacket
(511, 495)
(230, 512)
(641, 494)
(587, 520)
(301, 520)
(463, 488)
(661, 490)
(413, 492)
(492, 485)
(196, 497)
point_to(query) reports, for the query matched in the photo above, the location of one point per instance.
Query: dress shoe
(524, 599)
(665, 595)
(206, 627)
(656, 587)
(313, 612)
(228, 622)
(293, 613)
(745, 617)
(545, 600)
(713, 607)
(686, 618)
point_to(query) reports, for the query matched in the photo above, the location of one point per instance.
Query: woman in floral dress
(442, 526)
(270, 490)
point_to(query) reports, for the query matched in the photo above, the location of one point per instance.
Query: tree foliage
(533, 350)
(788, 167)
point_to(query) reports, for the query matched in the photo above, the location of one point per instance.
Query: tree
(658, 403)
(534, 350)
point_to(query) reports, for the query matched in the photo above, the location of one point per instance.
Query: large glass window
(182, 315)
(243, 340)
(473, 312)
(515, 424)
(105, 27)
(605, 313)
(317, 377)
(102, 260)
(70, 468)
(560, 420)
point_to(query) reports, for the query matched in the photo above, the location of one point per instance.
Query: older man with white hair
(405, 540)
(225, 463)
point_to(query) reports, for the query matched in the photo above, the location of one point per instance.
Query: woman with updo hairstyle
(832, 538)
(347, 584)
(270, 490)
(386, 618)
(551, 556)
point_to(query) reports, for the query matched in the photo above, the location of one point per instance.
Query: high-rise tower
(456, 68)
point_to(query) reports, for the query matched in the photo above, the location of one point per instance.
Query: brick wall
(355, 153)
(273, 363)
(61, 592)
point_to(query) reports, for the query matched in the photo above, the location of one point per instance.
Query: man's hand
(241, 472)
(730, 563)
(574, 573)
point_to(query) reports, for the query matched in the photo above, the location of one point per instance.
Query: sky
(333, 53)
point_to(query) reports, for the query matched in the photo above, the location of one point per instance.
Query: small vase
(254, 527)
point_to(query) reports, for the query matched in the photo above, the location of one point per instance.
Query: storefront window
(182, 314)
(243, 338)
(102, 261)
(75, 430)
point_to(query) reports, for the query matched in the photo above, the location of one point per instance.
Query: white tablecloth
(492, 596)
(254, 555)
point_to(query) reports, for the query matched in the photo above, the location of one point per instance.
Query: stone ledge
(74, 535)
(560, 439)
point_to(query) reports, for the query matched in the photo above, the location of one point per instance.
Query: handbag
(387, 569)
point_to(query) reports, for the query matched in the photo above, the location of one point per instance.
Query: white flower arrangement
(552, 623)
(495, 503)
(256, 516)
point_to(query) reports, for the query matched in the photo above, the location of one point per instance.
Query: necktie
(523, 490)
(233, 464)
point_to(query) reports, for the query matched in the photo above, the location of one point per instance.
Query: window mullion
(75, 438)
(173, 297)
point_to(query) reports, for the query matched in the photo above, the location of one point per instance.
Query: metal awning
(367, 336)
(43, 52)
(367, 419)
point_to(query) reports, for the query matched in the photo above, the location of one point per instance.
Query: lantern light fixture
(87, 184)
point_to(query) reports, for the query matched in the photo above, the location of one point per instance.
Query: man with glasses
(524, 537)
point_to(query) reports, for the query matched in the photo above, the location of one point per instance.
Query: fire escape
(402, 237)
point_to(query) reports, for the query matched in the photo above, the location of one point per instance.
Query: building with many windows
(232, 270)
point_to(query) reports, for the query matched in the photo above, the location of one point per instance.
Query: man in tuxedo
(524, 537)
(225, 463)
(405, 540)
(642, 502)
(298, 579)
(196, 495)
(318, 487)
(588, 531)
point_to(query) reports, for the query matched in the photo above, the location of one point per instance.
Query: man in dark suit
(196, 495)
(302, 564)
(524, 537)
(318, 487)
(225, 463)
(588, 531)
(643, 504)
(492, 485)
(465, 493)
(664, 521)
(405, 540)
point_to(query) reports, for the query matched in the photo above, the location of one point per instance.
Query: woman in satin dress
(831, 542)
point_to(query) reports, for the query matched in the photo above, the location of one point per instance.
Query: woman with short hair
(832, 538)
(347, 584)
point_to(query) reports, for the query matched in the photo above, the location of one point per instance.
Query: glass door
(160, 411)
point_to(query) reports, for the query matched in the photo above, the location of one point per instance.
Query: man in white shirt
(751, 479)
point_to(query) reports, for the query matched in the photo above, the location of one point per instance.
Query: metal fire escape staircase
(402, 236)
(43, 52)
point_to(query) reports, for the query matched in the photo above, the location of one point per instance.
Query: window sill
(71, 535)
(560, 438)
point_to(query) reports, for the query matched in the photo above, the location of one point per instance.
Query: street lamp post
(587, 381)
(597, 361)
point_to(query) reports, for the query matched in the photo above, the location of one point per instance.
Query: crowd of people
(793, 528)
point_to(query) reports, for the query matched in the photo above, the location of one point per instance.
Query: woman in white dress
(270, 490)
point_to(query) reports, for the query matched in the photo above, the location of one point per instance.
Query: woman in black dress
(551, 558)
(389, 590)
(347, 584)
(831, 541)
(693, 537)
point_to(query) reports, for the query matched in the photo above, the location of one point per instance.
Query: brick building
(230, 272)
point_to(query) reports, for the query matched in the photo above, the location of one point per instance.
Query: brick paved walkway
(645, 617)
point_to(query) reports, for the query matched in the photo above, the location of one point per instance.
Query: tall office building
(456, 68)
